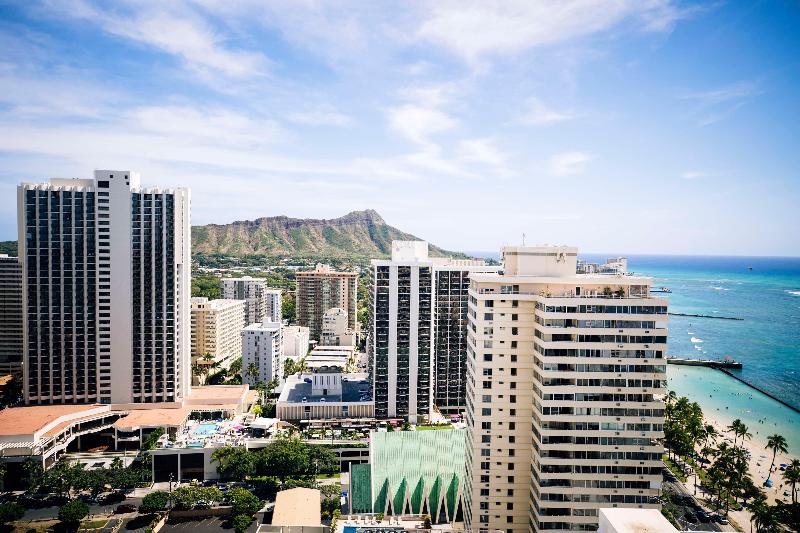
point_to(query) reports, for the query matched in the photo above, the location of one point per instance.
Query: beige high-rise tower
(563, 370)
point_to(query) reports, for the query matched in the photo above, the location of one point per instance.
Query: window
(512, 398)
(513, 358)
(513, 371)
(512, 425)
(484, 479)
(486, 411)
(515, 331)
(102, 184)
(486, 439)
(485, 452)
(487, 384)
(509, 519)
(488, 316)
(484, 465)
(487, 357)
(514, 317)
(485, 492)
(487, 398)
(486, 425)
(511, 479)
(514, 303)
(484, 506)
(512, 439)
(513, 344)
(489, 303)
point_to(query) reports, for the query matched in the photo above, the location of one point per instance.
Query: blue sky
(632, 126)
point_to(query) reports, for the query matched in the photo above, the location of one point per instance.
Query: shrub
(73, 512)
(243, 502)
(155, 502)
(241, 523)
(11, 512)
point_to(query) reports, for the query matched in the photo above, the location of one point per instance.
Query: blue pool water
(205, 429)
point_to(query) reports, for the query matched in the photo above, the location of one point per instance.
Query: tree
(763, 516)
(426, 521)
(322, 460)
(155, 502)
(234, 463)
(776, 443)
(150, 441)
(288, 308)
(242, 502)
(284, 458)
(792, 476)
(72, 512)
(241, 523)
(11, 512)
(289, 368)
(251, 372)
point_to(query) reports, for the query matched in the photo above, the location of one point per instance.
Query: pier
(707, 316)
(759, 389)
(711, 363)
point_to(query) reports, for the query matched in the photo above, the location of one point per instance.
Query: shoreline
(757, 388)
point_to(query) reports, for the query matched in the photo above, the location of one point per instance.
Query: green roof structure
(412, 473)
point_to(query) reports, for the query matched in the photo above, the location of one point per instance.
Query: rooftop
(148, 418)
(31, 419)
(620, 520)
(298, 507)
(296, 389)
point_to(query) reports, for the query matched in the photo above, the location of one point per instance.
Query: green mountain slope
(357, 234)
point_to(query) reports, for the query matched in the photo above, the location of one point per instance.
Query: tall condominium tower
(106, 267)
(400, 345)
(10, 316)
(562, 417)
(217, 330)
(321, 289)
(262, 302)
(450, 334)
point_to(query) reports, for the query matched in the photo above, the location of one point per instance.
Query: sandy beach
(760, 459)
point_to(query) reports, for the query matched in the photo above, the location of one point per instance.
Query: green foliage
(188, 497)
(73, 512)
(241, 523)
(206, 285)
(11, 512)
(151, 439)
(290, 457)
(234, 463)
(9, 247)
(242, 501)
(155, 502)
(288, 308)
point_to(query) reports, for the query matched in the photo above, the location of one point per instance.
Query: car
(690, 517)
(89, 499)
(703, 516)
(722, 520)
(113, 497)
(202, 504)
(125, 508)
(222, 486)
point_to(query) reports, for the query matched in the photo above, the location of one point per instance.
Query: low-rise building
(336, 330)
(325, 393)
(295, 342)
(297, 510)
(262, 358)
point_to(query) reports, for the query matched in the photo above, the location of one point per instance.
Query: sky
(626, 126)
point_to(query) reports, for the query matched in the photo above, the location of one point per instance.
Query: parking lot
(212, 524)
(688, 512)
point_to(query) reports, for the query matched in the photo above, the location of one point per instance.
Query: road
(679, 488)
(50, 513)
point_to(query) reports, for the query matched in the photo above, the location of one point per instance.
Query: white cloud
(710, 106)
(537, 113)
(172, 27)
(418, 123)
(568, 163)
(483, 150)
(694, 174)
(475, 29)
(320, 115)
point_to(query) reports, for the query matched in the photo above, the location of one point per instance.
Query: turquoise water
(725, 399)
(205, 429)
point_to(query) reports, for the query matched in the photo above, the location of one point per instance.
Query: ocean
(766, 341)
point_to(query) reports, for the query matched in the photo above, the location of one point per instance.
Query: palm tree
(792, 476)
(252, 370)
(765, 519)
(734, 428)
(756, 509)
(776, 443)
(744, 433)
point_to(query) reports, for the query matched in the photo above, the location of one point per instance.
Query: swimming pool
(208, 428)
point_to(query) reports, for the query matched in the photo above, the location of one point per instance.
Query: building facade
(295, 342)
(263, 303)
(562, 373)
(400, 345)
(217, 330)
(10, 316)
(84, 244)
(262, 345)
(321, 289)
(336, 330)
(450, 334)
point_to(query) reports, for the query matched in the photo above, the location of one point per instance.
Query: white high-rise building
(217, 330)
(564, 371)
(400, 346)
(336, 329)
(263, 303)
(295, 342)
(262, 347)
(106, 287)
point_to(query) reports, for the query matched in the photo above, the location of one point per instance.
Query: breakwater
(759, 389)
(711, 363)
(707, 316)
